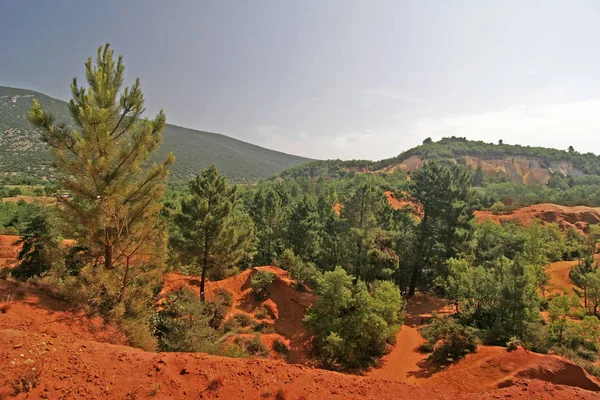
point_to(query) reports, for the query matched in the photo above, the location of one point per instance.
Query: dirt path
(402, 363)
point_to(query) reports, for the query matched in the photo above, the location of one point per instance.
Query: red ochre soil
(81, 357)
(578, 217)
(8, 249)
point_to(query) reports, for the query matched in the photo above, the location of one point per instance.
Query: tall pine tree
(212, 232)
(103, 161)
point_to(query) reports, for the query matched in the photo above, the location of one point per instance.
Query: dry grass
(215, 384)
(280, 395)
(26, 381)
(6, 305)
(154, 391)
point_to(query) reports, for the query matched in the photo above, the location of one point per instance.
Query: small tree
(352, 326)
(184, 323)
(559, 309)
(212, 233)
(260, 282)
(103, 161)
(39, 248)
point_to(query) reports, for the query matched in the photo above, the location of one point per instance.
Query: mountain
(22, 152)
(498, 162)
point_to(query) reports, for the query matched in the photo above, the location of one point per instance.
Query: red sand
(577, 217)
(76, 361)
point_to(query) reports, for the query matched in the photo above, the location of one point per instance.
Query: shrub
(302, 272)
(26, 381)
(262, 313)
(513, 344)
(230, 325)
(253, 346)
(244, 320)
(224, 297)
(280, 347)
(449, 339)
(352, 327)
(235, 351)
(260, 283)
(184, 324)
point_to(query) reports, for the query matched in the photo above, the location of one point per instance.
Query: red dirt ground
(8, 250)
(76, 360)
(287, 305)
(577, 217)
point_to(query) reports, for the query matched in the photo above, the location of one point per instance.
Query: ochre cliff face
(527, 170)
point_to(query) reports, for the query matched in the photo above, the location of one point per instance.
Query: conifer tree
(103, 161)
(442, 195)
(212, 232)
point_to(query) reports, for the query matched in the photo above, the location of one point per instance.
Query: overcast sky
(332, 79)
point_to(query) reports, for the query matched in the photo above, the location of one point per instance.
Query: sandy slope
(76, 360)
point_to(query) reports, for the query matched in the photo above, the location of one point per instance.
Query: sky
(331, 79)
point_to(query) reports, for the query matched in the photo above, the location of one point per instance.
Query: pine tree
(441, 193)
(364, 211)
(103, 161)
(303, 228)
(212, 232)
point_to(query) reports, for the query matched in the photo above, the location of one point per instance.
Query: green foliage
(252, 346)
(40, 248)
(305, 272)
(449, 340)
(499, 299)
(280, 347)
(260, 283)
(353, 327)
(211, 232)
(513, 343)
(185, 324)
(443, 194)
(22, 152)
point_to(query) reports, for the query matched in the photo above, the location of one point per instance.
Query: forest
(338, 238)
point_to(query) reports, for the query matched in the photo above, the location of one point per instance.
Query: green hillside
(23, 154)
(453, 150)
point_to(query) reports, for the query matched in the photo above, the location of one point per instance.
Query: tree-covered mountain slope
(498, 162)
(23, 154)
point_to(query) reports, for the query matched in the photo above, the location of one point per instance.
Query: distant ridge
(23, 154)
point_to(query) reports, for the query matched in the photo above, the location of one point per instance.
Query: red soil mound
(285, 306)
(73, 360)
(8, 249)
(577, 217)
(495, 367)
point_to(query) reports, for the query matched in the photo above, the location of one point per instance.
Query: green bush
(185, 323)
(353, 327)
(280, 347)
(254, 346)
(244, 320)
(260, 282)
(235, 351)
(449, 339)
(513, 344)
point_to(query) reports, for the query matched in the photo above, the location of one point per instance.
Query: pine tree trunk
(418, 259)
(108, 253)
(125, 278)
(202, 280)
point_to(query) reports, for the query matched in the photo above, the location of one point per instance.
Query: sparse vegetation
(260, 283)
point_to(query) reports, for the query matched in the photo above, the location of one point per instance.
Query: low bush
(254, 346)
(244, 320)
(280, 347)
(450, 340)
(260, 283)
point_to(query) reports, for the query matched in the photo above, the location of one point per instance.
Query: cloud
(390, 95)
(555, 125)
